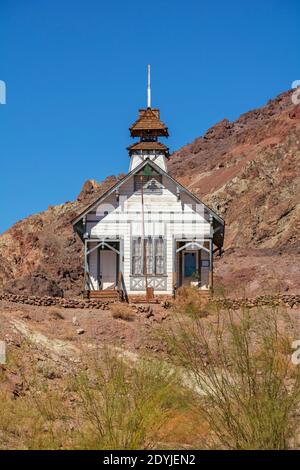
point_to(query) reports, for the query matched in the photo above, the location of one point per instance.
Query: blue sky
(75, 72)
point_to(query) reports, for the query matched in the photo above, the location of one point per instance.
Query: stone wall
(289, 300)
(48, 301)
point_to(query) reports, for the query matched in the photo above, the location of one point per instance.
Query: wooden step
(103, 294)
(140, 299)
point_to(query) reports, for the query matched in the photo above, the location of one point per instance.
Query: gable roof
(147, 161)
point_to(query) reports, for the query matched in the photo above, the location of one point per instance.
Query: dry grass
(104, 403)
(185, 429)
(242, 362)
(36, 419)
(122, 311)
(124, 407)
(189, 301)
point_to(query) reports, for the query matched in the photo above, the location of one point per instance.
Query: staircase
(104, 295)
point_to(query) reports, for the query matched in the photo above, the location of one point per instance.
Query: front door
(189, 266)
(108, 269)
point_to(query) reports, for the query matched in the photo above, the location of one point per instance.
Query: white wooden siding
(168, 214)
(137, 159)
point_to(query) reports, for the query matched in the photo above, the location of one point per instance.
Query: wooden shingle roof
(148, 145)
(148, 122)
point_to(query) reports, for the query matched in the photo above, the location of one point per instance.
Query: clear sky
(75, 72)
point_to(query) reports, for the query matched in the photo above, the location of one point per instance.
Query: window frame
(154, 256)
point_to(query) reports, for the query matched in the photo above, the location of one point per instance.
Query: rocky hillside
(40, 255)
(247, 171)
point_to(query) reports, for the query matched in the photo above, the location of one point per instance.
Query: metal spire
(148, 89)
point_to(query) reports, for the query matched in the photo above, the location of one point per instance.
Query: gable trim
(147, 161)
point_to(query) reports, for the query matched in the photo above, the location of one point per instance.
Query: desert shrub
(122, 311)
(124, 406)
(241, 364)
(33, 421)
(107, 401)
(189, 301)
(18, 422)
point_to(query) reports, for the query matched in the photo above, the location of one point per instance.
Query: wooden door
(190, 260)
(108, 269)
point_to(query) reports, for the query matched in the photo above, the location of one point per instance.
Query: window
(204, 263)
(137, 256)
(149, 255)
(155, 256)
(159, 256)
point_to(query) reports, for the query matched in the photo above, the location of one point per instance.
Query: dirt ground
(57, 337)
(86, 326)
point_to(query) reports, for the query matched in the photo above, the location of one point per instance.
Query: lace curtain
(155, 256)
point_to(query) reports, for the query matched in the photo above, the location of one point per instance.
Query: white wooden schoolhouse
(148, 235)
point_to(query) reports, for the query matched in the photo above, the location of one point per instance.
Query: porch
(187, 262)
(193, 264)
(103, 263)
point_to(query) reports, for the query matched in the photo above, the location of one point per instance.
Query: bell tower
(148, 127)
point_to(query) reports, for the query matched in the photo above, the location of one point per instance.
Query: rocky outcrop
(89, 188)
(248, 171)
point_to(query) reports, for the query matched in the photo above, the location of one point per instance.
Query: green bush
(242, 364)
(124, 406)
(105, 402)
